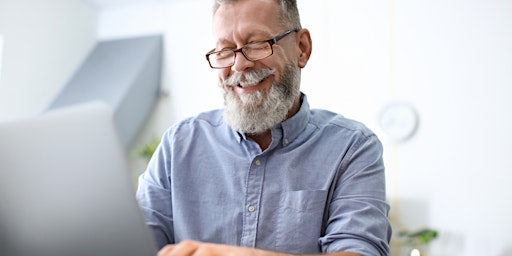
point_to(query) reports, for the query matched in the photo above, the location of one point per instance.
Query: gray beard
(258, 112)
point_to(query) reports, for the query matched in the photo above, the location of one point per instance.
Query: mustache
(248, 79)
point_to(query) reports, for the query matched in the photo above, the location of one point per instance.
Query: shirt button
(251, 208)
(258, 162)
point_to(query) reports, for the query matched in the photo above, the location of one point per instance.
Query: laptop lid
(65, 187)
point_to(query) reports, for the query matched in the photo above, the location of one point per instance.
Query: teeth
(246, 85)
(243, 85)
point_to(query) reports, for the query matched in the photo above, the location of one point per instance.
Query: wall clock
(399, 120)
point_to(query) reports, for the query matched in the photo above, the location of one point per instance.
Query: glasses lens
(226, 58)
(257, 51)
(222, 59)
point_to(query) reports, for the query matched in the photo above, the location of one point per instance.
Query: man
(267, 175)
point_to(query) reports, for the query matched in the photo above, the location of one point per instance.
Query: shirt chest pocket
(300, 220)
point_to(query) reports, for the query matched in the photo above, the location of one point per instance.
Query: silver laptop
(65, 187)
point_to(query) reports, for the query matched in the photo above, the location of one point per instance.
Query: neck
(263, 139)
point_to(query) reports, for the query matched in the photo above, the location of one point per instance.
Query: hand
(195, 248)
(188, 248)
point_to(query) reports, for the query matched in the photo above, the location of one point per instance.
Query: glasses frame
(271, 41)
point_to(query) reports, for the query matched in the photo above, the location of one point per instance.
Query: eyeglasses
(253, 52)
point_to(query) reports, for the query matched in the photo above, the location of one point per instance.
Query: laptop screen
(65, 187)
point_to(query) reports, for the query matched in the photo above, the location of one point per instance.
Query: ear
(305, 47)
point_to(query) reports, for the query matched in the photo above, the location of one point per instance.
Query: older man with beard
(266, 175)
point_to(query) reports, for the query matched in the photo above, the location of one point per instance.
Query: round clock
(398, 120)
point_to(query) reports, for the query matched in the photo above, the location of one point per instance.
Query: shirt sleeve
(154, 197)
(358, 213)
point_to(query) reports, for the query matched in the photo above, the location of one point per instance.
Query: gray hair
(290, 18)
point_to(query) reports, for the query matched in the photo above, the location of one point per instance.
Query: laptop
(66, 189)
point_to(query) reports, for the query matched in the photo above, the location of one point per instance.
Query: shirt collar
(294, 125)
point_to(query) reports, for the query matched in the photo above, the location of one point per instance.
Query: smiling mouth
(247, 85)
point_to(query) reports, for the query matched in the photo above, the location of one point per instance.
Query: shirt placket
(252, 202)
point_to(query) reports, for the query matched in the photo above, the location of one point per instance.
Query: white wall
(1, 58)
(451, 59)
(44, 42)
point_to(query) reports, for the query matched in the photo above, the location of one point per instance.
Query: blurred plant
(420, 237)
(148, 149)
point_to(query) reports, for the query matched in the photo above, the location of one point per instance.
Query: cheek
(221, 77)
(278, 63)
(223, 74)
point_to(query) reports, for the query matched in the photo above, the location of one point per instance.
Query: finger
(184, 248)
(166, 250)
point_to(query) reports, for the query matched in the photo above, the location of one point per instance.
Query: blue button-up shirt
(319, 186)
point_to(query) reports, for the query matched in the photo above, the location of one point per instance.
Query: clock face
(398, 120)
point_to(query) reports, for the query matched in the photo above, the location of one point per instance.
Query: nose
(241, 62)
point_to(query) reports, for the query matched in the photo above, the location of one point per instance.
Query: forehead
(245, 19)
